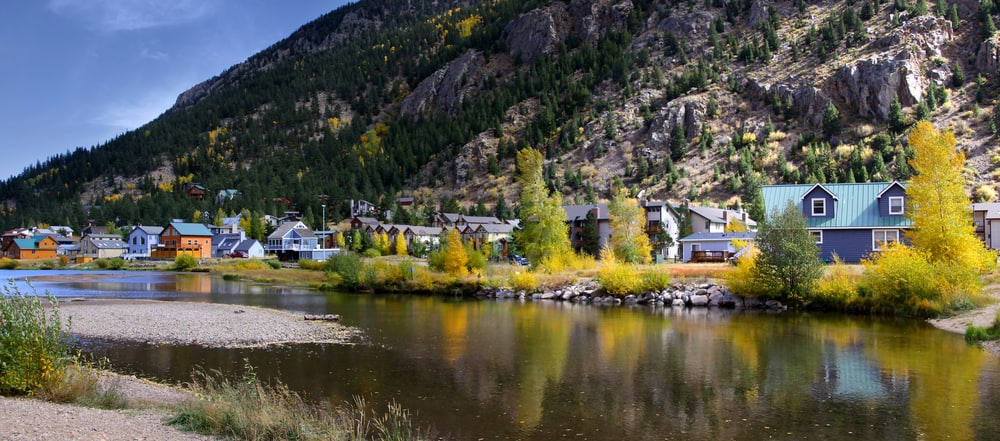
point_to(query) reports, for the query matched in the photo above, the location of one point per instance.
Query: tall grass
(975, 333)
(249, 409)
(33, 352)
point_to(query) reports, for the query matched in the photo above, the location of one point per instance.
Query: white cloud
(153, 54)
(133, 112)
(127, 15)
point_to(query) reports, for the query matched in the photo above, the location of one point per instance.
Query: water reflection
(541, 371)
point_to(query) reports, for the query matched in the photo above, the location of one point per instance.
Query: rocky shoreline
(677, 295)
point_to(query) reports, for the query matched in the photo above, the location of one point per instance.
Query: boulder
(699, 300)
(868, 87)
(677, 303)
(691, 25)
(988, 56)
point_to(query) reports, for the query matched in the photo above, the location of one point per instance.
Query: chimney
(725, 216)
(743, 215)
(597, 212)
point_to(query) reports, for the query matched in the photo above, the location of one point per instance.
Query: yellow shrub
(743, 280)
(837, 289)
(654, 279)
(618, 279)
(902, 279)
(524, 281)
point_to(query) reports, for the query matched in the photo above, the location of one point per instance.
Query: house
(715, 220)
(142, 241)
(36, 247)
(849, 220)
(8, 237)
(182, 238)
(476, 220)
(446, 220)
(249, 249)
(429, 237)
(290, 239)
(406, 201)
(52, 230)
(576, 216)
(224, 245)
(712, 247)
(663, 228)
(195, 191)
(101, 246)
(362, 208)
(230, 225)
(225, 195)
(359, 223)
(495, 238)
(986, 218)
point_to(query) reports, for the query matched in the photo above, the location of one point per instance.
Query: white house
(290, 239)
(663, 228)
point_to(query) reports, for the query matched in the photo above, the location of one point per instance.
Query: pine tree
(831, 120)
(897, 122)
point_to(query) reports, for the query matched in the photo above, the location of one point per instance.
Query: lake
(498, 370)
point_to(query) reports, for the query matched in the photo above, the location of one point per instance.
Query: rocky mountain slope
(680, 100)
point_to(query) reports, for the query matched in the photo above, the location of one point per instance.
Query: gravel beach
(205, 324)
(154, 322)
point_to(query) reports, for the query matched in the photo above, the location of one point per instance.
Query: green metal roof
(856, 205)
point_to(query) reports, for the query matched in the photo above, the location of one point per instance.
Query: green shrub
(975, 333)
(274, 263)
(436, 260)
(654, 280)
(347, 265)
(184, 262)
(33, 352)
(372, 253)
(477, 260)
(8, 264)
(117, 263)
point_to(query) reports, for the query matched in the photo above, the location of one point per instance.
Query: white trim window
(880, 238)
(818, 235)
(896, 205)
(818, 206)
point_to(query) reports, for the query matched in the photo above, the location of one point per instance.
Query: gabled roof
(891, 184)
(719, 215)
(26, 244)
(481, 219)
(423, 231)
(107, 241)
(367, 220)
(246, 245)
(991, 209)
(857, 204)
(149, 230)
(827, 190)
(496, 228)
(450, 217)
(574, 212)
(284, 229)
(719, 237)
(191, 229)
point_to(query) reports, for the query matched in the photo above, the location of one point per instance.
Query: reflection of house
(711, 247)
(576, 216)
(142, 240)
(181, 238)
(37, 247)
(849, 220)
(290, 239)
(101, 246)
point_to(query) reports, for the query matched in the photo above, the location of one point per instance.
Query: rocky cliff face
(446, 88)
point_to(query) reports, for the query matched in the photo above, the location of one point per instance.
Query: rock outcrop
(537, 33)
(446, 89)
(808, 101)
(689, 112)
(988, 57)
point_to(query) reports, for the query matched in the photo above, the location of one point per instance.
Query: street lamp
(323, 227)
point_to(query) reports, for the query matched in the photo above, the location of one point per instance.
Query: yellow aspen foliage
(938, 204)
(466, 25)
(628, 235)
(455, 260)
(196, 217)
(341, 243)
(381, 242)
(400, 244)
(334, 123)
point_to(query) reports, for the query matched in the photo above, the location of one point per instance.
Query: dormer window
(819, 207)
(895, 205)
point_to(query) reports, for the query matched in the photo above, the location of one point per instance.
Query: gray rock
(699, 300)
(537, 33)
(677, 302)
(446, 89)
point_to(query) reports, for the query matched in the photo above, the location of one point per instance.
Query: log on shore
(323, 317)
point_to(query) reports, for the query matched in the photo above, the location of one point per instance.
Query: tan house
(101, 246)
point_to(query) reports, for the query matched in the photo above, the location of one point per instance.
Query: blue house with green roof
(849, 220)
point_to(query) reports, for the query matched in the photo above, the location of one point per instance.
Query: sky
(77, 73)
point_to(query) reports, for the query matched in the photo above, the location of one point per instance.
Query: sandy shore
(982, 317)
(206, 324)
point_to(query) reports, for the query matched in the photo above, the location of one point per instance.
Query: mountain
(678, 99)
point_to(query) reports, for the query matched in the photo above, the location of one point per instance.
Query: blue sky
(80, 72)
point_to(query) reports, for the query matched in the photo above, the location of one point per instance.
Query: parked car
(519, 259)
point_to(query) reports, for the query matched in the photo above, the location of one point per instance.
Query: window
(818, 235)
(819, 207)
(895, 205)
(880, 238)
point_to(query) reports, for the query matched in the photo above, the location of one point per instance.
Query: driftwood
(323, 317)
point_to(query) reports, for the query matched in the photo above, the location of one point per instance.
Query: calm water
(543, 371)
